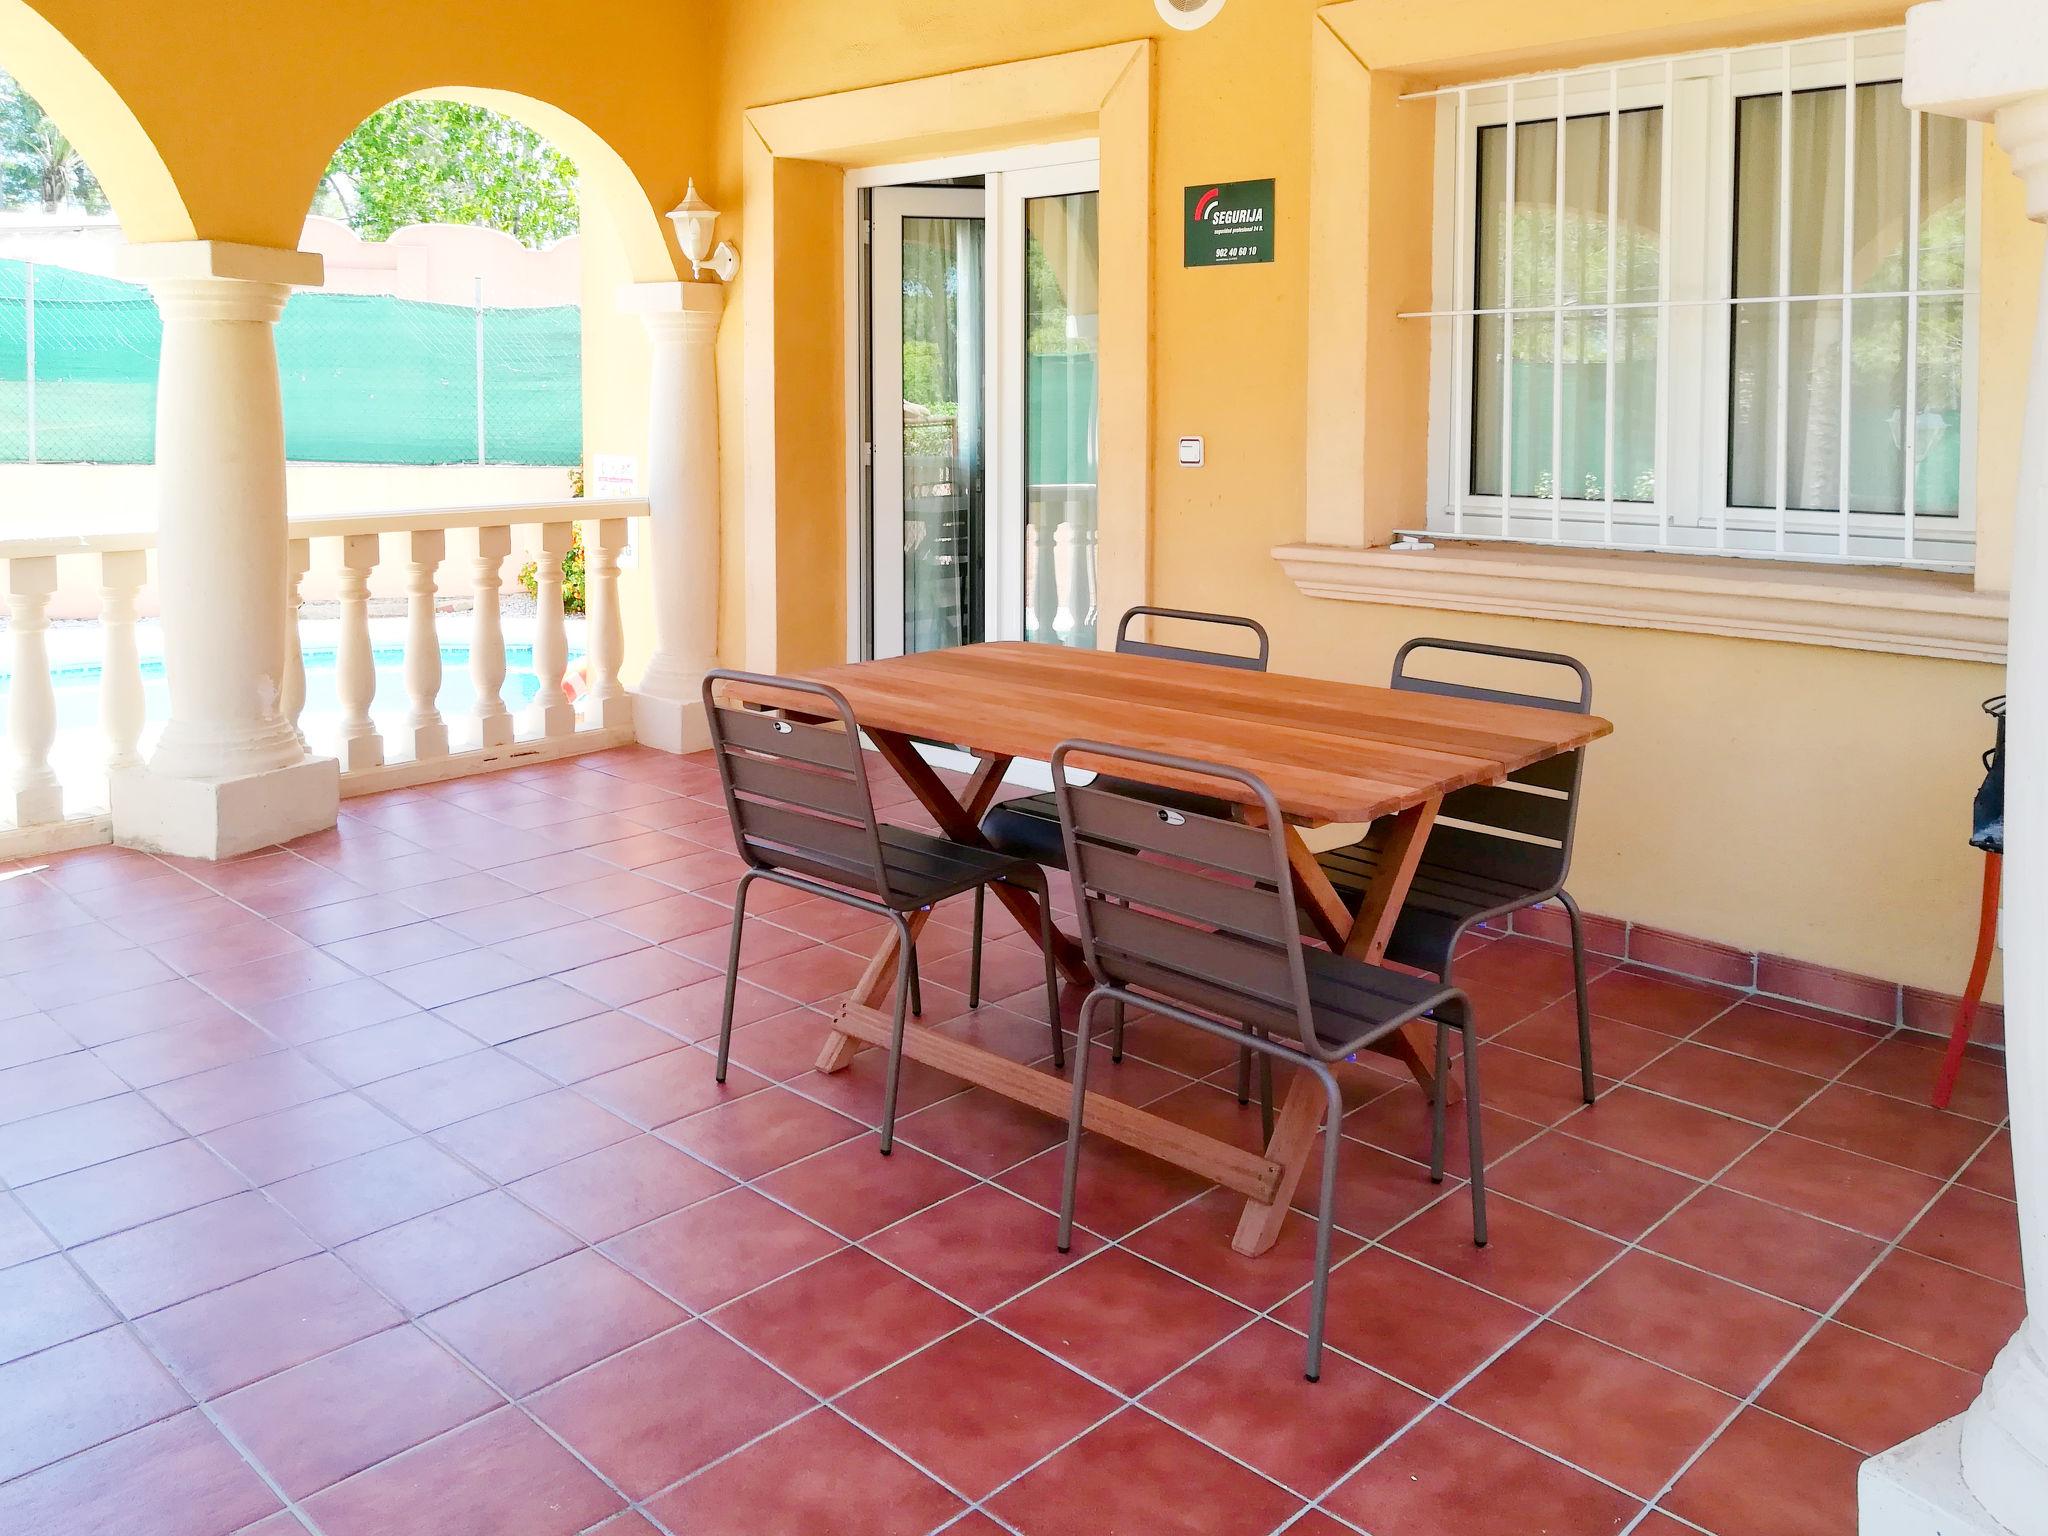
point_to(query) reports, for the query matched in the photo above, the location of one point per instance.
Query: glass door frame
(874, 600)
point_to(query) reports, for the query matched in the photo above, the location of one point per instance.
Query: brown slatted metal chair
(1497, 848)
(803, 816)
(1030, 824)
(1194, 917)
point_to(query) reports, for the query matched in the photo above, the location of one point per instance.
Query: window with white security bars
(1719, 303)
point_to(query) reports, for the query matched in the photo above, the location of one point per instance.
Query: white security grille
(1719, 302)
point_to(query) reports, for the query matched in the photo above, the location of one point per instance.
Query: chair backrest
(1198, 910)
(1128, 646)
(797, 789)
(1537, 808)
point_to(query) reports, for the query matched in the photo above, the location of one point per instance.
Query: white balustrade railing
(52, 778)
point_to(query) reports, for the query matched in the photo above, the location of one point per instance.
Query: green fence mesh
(367, 379)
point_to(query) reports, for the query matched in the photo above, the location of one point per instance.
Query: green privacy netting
(368, 379)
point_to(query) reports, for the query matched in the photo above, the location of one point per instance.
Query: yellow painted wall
(1792, 799)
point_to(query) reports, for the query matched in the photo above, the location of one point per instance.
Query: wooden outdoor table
(1330, 752)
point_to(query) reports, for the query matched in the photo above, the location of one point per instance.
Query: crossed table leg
(1267, 1180)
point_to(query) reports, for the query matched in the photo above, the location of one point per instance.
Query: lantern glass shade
(695, 221)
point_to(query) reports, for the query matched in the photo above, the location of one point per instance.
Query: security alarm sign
(1229, 223)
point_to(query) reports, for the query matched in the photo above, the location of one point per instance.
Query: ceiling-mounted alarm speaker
(1188, 14)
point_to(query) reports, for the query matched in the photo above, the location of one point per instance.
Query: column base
(670, 725)
(608, 714)
(1917, 1489)
(218, 818)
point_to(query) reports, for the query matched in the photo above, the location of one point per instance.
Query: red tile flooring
(379, 1184)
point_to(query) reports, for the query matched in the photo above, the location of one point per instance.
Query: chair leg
(906, 979)
(1439, 1101)
(1052, 979)
(1571, 909)
(974, 955)
(1244, 1074)
(1473, 1145)
(1266, 1096)
(1116, 1036)
(916, 991)
(732, 972)
(1071, 1174)
(1333, 1140)
(1973, 990)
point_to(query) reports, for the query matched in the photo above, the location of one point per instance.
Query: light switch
(1191, 451)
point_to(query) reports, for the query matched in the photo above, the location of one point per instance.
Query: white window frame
(1691, 513)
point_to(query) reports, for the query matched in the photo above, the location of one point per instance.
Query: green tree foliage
(38, 166)
(447, 162)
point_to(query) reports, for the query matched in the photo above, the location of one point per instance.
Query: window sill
(1909, 613)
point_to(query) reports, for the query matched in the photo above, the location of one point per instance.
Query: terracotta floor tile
(629, 978)
(980, 1247)
(48, 1145)
(667, 1087)
(838, 1321)
(241, 1091)
(325, 1011)
(263, 981)
(1619, 1049)
(456, 978)
(384, 1050)
(615, 891)
(1973, 1230)
(1788, 1039)
(1991, 1170)
(710, 1252)
(1658, 1002)
(1619, 1417)
(1695, 1323)
(448, 1254)
(525, 1009)
(858, 1091)
(538, 1327)
(1916, 1136)
(1248, 1397)
(692, 1012)
(457, 893)
(817, 1474)
(1376, 1189)
(1843, 1187)
(1122, 1320)
(1953, 1314)
(500, 1476)
(32, 1037)
(341, 920)
(1449, 1473)
(579, 941)
(1728, 1083)
(506, 921)
(305, 1137)
(533, 1134)
(220, 945)
(663, 1409)
(182, 1256)
(1119, 1189)
(332, 1417)
(111, 971)
(44, 1302)
(1138, 1475)
(1589, 1184)
(977, 1408)
(377, 1189)
(761, 1132)
(74, 1395)
(430, 1097)
(1195, 1241)
(978, 1130)
(126, 1014)
(1865, 1391)
(603, 1193)
(854, 1191)
(271, 1322)
(1532, 1258)
(40, 1087)
(601, 1043)
(1676, 1135)
(1767, 1474)
(1398, 1122)
(128, 1191)
(217, 1491)
(1533, 1088)
(1907, 1068)
(1791, 1256)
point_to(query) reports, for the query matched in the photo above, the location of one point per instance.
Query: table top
(1330, 752)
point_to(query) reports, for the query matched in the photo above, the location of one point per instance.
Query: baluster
(487, 638)
(1045, 586)
(1081, 541)
(122, 573)
(355, 669)
(32, 703)
(608, 704)
(553, 714)
(291, 698)
(423, 723)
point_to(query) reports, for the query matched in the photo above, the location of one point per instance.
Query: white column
(425, 728)
(607, 705)
(682, 500)
(229, 772)
(1987, 1471)
(487, 639)
(34, 796)
(122, 708)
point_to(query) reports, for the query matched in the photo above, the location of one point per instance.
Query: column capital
(1987, 60)
(216, 280)
(692, 308)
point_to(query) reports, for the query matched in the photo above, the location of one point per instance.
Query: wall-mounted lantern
(696, 224)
